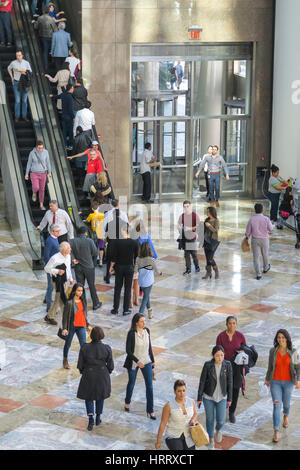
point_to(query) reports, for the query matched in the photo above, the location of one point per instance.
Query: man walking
(85, 257)
(51, 248)
(215, 163)
(259, 228)
(58, 217)
(187, 226)
(16, 69)
(59, 267)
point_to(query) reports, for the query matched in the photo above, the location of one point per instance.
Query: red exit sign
(194, 32)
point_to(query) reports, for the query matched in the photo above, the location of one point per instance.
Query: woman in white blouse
(139, 356)
(178, 415)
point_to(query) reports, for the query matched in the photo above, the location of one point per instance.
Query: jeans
(213, 408)
(178, 443)
(81, 335)
(146, 299)
(20, 95)
(33, 6)
(90, 410)
(274, 199)
(147, 374)
(49, 291)
(214, 187)
(123, 274)
(67, 129)
(46, 46)
(281, 392)
(187, 256)
(5, 26)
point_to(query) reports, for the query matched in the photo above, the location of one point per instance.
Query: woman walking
(139, 356)
(95, 363)
(38, 166)
(144, 266)
(282, 374)
(62, 79)
(178, 415)
(231, 341)
(211, 243)
(215, 390)
(276, 185)
(74, 319)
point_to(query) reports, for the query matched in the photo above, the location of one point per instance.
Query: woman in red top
(283, 373)
(231, 341)
(74, 319)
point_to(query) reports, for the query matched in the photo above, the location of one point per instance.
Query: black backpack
(252, 354)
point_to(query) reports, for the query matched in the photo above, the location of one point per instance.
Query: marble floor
(38, 404)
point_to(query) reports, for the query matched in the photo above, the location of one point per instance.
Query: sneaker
(150, 313)
(43, 208)
(127, 313)
(2, 44)
(50, 320)
(197, 269)
(219, 437)
(279, 227)
(100, 262)
(34, 197)
(114, 312)
(9, 44)
(211, 445)
(258, 277)
(188, 271)
(99, 305)
(268, 269)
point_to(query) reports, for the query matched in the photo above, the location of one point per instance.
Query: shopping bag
(245, 245)
(199, 435)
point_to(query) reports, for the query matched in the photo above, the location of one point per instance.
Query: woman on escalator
(62, 79)
(39, 167)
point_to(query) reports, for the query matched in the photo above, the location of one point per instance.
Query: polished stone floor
(38, 405)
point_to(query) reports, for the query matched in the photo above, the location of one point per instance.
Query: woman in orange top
(74, 319)
(283, 373)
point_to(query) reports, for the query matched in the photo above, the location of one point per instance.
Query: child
(55, 15)
(145, 265)
(96, 220)
(145, 237)
(286, 207)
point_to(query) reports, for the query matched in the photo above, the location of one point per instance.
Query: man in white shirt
(86, 119)
(58, 217)
(16, 69)
(145, 169)
(54, 268)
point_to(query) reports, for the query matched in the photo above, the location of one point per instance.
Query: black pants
(187, 256)
(46, 46)
(58, 62)
(235, 397)
(123, 275)
(274, 199)
(88, 274)
(178, 443)
(209, 254)
(147, 185)
(63, 238)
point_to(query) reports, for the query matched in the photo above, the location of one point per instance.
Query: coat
(61, 42)
(95, 363)
(208, 380)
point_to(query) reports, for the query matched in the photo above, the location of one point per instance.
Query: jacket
(38, 162)
(81, 143)
(80, 97)
(46, 26)
(295, 369)
(85, 251)
(69, 314)
(51, 248)
(24, 84)
(208, 380)
(61, 42)
(130, 345)
(95, 363)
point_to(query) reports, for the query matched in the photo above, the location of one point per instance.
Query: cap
(95, 142)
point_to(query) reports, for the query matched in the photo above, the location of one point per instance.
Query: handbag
(213, 244)
(60, 335)
(245, 245)
(199, 435)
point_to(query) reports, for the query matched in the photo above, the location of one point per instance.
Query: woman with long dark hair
(282, 375)
(74, 319)
(276, 186)
(95, 363)
(211, 243)
(139, 356)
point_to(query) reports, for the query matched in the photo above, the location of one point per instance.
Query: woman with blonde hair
(101, 186)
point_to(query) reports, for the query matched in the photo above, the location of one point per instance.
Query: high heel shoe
(126, 409)
(153, 417)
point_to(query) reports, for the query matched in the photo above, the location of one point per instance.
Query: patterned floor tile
(7, 405)
(48, 401)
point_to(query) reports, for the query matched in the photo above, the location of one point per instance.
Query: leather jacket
(69, 314)
(208, 380)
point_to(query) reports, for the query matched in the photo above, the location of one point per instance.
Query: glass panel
(235, 153)
(173, 180)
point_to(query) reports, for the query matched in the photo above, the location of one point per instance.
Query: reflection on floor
(38, 404)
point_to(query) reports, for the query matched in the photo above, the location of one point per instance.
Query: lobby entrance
(184, 98)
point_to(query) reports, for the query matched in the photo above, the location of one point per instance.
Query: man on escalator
(16, 69)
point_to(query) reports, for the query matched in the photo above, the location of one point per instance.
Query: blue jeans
(20, 95)
(33, 6)
(274, 199)
(213, 408)
(146, 299)
(49, 291)
(214, 187)
(5, 26)
(81, 335)
(90, 410)
(147, 374)
(281, 392)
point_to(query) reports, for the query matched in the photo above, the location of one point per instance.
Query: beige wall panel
(98, 3)
(122, 67)
(100, 67)
(144, 4)
(98, 25)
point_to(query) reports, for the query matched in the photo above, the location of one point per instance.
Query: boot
(208, 273)
(91, 423)
(65, 363)
(150, 313)
(216, 269)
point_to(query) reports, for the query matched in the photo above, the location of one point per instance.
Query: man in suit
(61, 42)
(85, 257)
(51, 248)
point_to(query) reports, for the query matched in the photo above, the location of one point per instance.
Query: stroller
(296, 216)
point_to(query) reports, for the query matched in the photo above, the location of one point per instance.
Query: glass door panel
(235, 154)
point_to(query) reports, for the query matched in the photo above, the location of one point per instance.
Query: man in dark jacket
(80, 95)
(46, 26)
(68, 114)
(85, 257)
